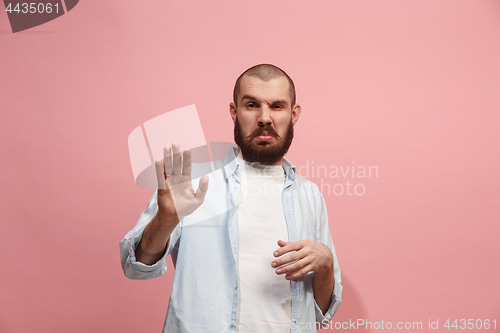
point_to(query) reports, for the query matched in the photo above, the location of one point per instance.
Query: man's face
(264, 119)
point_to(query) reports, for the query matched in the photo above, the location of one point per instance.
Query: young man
(252, 247)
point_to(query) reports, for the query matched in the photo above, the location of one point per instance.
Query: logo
(25, 15)
(146, 142)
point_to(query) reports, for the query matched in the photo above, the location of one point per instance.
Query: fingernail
(278, 271)
(274, 264)
(276, 253)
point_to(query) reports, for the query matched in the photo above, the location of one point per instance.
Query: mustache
(261, 130)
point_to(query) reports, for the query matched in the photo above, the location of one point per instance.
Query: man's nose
(265, 116)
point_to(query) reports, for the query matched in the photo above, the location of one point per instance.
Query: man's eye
(278, 107)
(251, 105)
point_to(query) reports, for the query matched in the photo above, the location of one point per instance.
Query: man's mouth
(265, 136)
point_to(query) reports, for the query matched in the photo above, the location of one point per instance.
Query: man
(252, 246)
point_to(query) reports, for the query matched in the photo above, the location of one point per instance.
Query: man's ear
(296, 110)
(232, 111)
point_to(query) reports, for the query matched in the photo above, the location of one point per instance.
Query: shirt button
(232, 323)
(235, 286)
(236, 185)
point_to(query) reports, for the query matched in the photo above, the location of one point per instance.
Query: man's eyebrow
(281, 101)
(248, 97)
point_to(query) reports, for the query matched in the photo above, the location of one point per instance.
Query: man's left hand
(309, 256)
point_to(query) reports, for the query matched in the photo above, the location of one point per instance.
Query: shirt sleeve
(334, 304)
(134, 269)
(326, 239)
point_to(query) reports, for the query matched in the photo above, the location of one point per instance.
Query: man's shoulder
(222, 154)
(305, 185)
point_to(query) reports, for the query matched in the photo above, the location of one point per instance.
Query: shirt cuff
(144, 271)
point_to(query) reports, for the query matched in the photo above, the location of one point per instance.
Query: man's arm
(152, 245)
(323, 284)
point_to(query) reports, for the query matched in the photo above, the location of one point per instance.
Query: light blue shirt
(204, 249)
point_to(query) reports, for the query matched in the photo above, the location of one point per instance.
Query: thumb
(202, 188)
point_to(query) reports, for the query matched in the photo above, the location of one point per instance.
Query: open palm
(176, 196)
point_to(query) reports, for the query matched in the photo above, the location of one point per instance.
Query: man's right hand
(176, 196)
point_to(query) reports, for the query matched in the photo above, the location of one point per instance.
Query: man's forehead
(276, 89)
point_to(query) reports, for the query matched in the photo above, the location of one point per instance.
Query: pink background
(411, 87)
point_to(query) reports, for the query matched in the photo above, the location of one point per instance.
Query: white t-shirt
(264, 302)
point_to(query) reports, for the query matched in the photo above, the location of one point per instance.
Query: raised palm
(176, 196)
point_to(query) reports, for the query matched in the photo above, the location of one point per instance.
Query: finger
(294, 267)
(282, 243)
(202, 188)
(167, 159)
(288, 258)
(186, 163)
(176, 152)
(290, 246)
(160, 176)
(300, 273)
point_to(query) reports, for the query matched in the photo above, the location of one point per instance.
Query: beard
(263, 152)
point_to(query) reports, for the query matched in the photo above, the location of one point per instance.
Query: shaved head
(264, 72)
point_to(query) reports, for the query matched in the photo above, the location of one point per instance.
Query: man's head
(264, 112)
(265, 72)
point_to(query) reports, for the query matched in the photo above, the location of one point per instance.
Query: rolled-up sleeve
(324, 319)
(132, 268)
